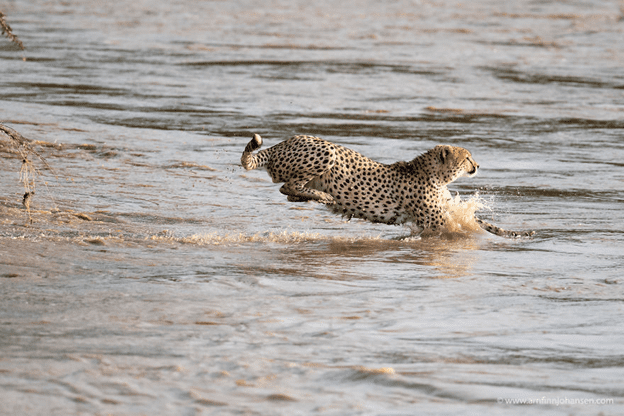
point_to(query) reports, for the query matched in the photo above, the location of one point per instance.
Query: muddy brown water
(158, 277)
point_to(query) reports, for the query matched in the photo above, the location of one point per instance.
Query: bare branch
(6, 30)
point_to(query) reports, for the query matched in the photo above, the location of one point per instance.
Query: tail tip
(257, 139)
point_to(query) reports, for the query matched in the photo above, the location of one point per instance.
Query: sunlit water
(158, 277)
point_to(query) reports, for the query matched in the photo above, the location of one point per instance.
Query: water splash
(460, 217)
(283, 237)
(461, 213)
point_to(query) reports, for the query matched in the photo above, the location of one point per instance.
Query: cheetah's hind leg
(298, 192)
(304, 181)
(501, 232)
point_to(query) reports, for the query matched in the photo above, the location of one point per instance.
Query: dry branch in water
(14, 143)
(6, 30)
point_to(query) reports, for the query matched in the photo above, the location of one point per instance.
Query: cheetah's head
(453, 162)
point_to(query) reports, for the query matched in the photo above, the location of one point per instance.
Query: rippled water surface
(158, 277)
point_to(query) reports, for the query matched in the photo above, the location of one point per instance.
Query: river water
(157, 277)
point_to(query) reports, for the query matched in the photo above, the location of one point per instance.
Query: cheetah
(348, 183)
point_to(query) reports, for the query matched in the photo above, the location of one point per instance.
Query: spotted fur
(356, 186)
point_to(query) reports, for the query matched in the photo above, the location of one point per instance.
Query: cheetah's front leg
(500, 232)
(297, 192)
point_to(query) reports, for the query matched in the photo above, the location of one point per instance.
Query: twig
(21, 145)
(6, 29)
(18, 144)
(26, 202)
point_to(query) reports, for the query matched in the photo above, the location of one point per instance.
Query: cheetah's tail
(500, 232)
(248, 160)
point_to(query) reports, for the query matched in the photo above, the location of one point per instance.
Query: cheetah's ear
(444, 154)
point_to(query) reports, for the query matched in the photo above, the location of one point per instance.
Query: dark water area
(159, 277)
